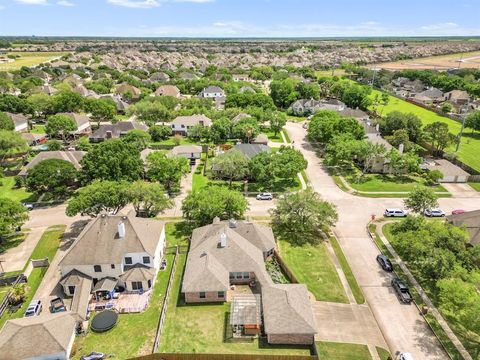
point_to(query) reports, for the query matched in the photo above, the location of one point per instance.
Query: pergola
(245, 314)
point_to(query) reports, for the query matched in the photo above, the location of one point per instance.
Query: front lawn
(342, 351)
(474, 186)
(38, 129)
(8, 190)
(389, 183)
(171, 141)
(12, 241)
(312, 265)
(202, 328)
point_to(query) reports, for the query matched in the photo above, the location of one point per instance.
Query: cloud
(65, 3)
(32, 2)
(137, 4)
(194, 1)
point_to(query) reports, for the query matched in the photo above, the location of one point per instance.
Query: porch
(126, 302)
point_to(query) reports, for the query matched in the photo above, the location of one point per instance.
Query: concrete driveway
(402, 326)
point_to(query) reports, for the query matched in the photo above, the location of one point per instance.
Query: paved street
(403, 327)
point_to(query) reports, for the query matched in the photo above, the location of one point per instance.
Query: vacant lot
(442, 62)
(29, 59)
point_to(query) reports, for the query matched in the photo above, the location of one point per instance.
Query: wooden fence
(285, 268)
(175, 356)
(163, 315)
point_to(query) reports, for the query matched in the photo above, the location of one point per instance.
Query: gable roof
(80, 119)
(471, 221)
(73, 157)
(168, 90)
(250, 150)
(120, 128)
(192, 120)
(212, 89)
(186, 149)
(138, 272)
(31, 337)
(99, 242)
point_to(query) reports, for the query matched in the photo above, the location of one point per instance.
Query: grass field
(29, 59)
(8, 190)
(475, 186)
(336, 72)
(385, 183)
(441, 62)
(342, 351)
(470, 143)
(312, 265)
(38, 129)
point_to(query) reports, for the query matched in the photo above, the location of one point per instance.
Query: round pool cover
(104, 321)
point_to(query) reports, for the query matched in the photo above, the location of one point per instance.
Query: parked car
(34, 308)
(395, 213)
(265, 196)
(405, 356)
(93, 356)
(384, 262)
(458, 211)
(402, 291)
(434, 213)
(57, 305)
(28, 206)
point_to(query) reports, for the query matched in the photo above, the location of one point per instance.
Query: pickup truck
(402, 291)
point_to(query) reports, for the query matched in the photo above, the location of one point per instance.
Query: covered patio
(126, 302)
(245, 315)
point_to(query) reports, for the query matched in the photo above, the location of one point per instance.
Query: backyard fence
(225, 357)
(6, 301)
(285, 268)
(163, 315)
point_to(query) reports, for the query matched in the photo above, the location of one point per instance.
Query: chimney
(232, 223)
(121, 230)
(223, 241)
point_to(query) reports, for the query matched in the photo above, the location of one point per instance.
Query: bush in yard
(303, 217)
(18, 294)
(433, 177)
(52, 176)
(54, 145)
(159, 132)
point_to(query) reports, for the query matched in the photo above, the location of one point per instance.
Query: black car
(402, 291)
(384, 263)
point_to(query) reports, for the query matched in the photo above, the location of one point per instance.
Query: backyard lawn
(475, 186)
(38, 129)
(342, 351)
(312, 265)
(171, 141)
(386, 183)
(470, 145)
(29, 59)
(8, 190)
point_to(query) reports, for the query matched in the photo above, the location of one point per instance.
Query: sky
(239, 18)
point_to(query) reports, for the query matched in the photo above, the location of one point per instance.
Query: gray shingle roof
(250, 150)
(192, 120)
(73, 157)
(120, 128)
(138, 272)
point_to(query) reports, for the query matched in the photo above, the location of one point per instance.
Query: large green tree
(60, 125)
(473, 121)
(168, 171)
(101, 109)
(277, 121)
(231, 165)
(148, 199)
(327, 124)
(6, 123)
(421, 199)
(303, 217)
(439, 136)
(53, 176)
(11, 143)
(12, 215)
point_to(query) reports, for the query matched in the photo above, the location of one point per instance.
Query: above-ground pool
(104, 321)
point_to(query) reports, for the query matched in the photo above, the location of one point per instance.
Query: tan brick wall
(294, 339)
(243, 281)
(209, 297)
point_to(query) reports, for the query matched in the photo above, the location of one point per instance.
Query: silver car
(434, 213)
(265, 196)
(34, 308)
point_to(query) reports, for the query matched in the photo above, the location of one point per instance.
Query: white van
(405, 356)
(395, 213)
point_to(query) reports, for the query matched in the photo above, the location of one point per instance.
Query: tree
(53, 176)
(368, 154)
(148, 199)
(246, 129)
(40, 103)
(357, 96)
(160, 132)
(473, 121)
(446, 108)
(287, 163)
(54, 145)
(327, 124)
(99, 197)
(18, 294)
(139, 138)
(202, 206)
(438, 135)
(400, 137)
(67, 101)
(384, 100)
(421, 199)
(397, 120)
(277, 121)
(12, 215)
(283, 92)
(434, 176)
(168, 171)
(303, 217)
(112, 160)
(150, 112)
(221, 130)
(101, 109)
(11, 143)
(6, 123)
(60, 125)
(231, 165)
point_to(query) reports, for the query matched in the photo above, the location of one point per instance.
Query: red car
(458, 211)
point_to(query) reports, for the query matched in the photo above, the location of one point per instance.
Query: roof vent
(223, 240)
(232, 223)
(121, 230)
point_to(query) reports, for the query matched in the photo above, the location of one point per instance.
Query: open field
(442, 62)
(29, 59)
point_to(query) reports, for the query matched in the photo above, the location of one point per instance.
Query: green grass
(470, 144)
(339, 183)
(352, 281)
(201, 328)
(328, 73)
(29, 59)
(474, 186)
(47, 246)
(38, 129)
(342, 351)
(287, 138)
(387, 183)
(8, 190)
(171, 141)
(272, 137)
(384, 354)
(11, 242)
(312, 265)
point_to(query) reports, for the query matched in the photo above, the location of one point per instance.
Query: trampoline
(104, 321)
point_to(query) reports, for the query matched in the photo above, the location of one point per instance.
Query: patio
(127, 302)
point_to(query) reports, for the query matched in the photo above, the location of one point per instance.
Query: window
(97, 268)
(246, 275)
(202, 295)
(137, 285)
(238, 275)
(149, 283)
(128, 261)
(221, 294)
(112, 266)
(146, 259)
(232, 276)
(182, 126)
(71, 290)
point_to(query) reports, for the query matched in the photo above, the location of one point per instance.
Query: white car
(265, 196)
(34, 308)
(434, 213)
(395, 213)
(405, 356)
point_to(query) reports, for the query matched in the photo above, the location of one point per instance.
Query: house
(168, 90)
(241, 77)
(20, 121)
(82, 121)
(212, 92)
(380, 164)
(250, 150)
(159, 77)
(114, 251)
(436, 95)
(422, 99)
(44, 337)
(47, 89)
(188, 76)
(125, 88)
(310, 106)
(414, 86)
(451, 172)
(357, 114)
(471, 221)
(457, 97)
(115, 131)
(73, 157)
(261, 139)
(239, 117)
(119, 103)
(227, 254)
(187, 151)
(181, 124)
